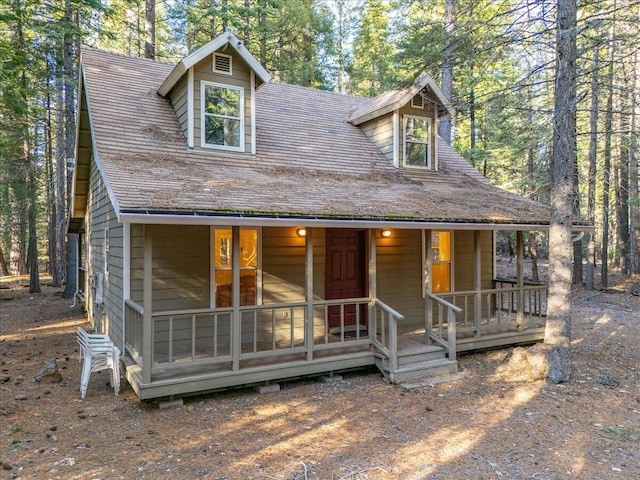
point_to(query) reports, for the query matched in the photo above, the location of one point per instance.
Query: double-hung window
(417, 142)
(223, 267)
(441, 262)
(222, 123)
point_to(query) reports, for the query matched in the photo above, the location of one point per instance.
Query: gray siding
(399, 260)
(100, 218)
(179, 102)
(181, 275)
(283, 267)
(380, 132)
(464, 262)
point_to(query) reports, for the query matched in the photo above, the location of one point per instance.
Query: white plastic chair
(98, 353)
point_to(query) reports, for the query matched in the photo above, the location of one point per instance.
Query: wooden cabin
(236, 231)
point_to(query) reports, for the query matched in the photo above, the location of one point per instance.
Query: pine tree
(370, 71)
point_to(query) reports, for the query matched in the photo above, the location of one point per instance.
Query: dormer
(404, 123)
(212, 92)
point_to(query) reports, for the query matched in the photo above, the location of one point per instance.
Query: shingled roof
(310, 161)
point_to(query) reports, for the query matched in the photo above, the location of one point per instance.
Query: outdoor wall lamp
(301, 232)
(386, 233)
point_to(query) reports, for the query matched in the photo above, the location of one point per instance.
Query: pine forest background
(494, 59)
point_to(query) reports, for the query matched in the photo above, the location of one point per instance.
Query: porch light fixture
(301, 232)
(386, 233)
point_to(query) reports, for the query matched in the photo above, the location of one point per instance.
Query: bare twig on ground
(491, 464)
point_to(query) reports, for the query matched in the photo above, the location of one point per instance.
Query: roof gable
(394, 99)
(227, 38)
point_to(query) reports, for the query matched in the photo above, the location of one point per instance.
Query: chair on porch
(98, 353)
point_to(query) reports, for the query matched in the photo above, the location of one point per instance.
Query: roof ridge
(85, 47)
(321, 90)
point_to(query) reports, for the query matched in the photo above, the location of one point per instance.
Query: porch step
(424, 369)
(419, 353)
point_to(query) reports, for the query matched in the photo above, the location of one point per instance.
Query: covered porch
(176, 351)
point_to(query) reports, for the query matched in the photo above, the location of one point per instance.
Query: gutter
(228, 219)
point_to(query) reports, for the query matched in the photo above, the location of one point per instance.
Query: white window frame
(427, 143)
(203, 114)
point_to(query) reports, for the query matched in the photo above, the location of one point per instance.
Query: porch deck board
(188, 378)
(512, 337)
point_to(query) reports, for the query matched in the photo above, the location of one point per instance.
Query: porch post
(236, 330)
(520, 273)
(373, 285)
(147, 304)
(308, 281)
(428, 304)
(477, 282)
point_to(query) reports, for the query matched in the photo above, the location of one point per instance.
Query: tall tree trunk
(634, 195)
(577, 277)
(18, 253)
(606, 170)
(530, 190)
(150, 29)
(472, 126)
(558, 327)
(70, 139)
(51, 195)
(262, 22)
(4, 268)
(30, 181)
(32, 188)
(593, 152)
(622, 187)
(446, 72)
(60, 167)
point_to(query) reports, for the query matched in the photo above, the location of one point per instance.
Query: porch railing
(133, 319)
(384, 323)
(440, 312)
(505, 306)
(208, 336)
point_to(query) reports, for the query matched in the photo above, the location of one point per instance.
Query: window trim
(405, 121)
(203, 115)
(213, 269)
(427, 262)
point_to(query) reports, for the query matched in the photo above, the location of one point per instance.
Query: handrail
(386, 307)
(451, 343)
(444, 303)
(340, 301)
(135, 306)
(391, 352)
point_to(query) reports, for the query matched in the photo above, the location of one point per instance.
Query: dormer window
(417, 142)
(222, 122)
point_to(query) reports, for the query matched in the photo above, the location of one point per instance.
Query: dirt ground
(489, 424)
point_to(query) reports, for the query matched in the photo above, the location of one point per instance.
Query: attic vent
(222, 63)
(417, 101)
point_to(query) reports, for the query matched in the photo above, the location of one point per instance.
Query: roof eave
(283, 220)
(422, 82)
(227, 38)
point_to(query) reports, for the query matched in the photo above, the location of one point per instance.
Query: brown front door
(346, 275)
